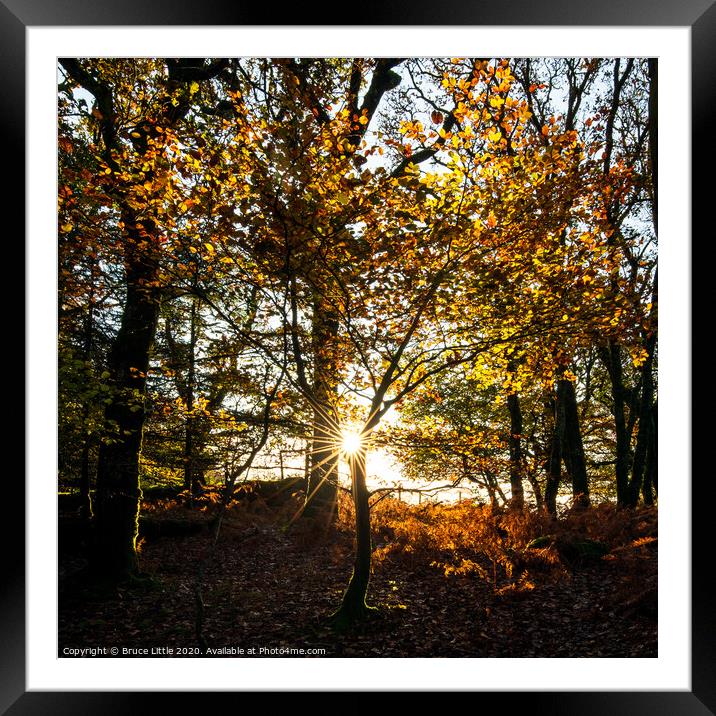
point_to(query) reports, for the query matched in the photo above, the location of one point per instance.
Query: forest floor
(453, 580)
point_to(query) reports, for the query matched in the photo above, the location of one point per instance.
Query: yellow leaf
(209, 248)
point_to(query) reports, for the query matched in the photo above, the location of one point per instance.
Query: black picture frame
(699, 15)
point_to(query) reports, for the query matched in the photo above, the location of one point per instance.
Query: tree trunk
(321, 492)
(496, 490)
(644, 432)
(536, 491)
(646, 404)
(652, 463)
(649, 469)
(85, 478)
(200, 428)
(517, 496)
(645, 458)
(118, 491)
(573, 447)
(322, 487)
(190, 481)
(654, 138)
(554, 463)
(612, 359)
(200, 431)
(353, 607)
(85, 486)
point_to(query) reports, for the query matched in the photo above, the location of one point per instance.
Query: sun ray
(346, 442)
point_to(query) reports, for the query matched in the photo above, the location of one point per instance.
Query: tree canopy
(452, 260)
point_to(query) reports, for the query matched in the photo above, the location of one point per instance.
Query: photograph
(357, 357)
(345, 364)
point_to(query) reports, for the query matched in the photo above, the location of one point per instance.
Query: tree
(136, 108)
(459, 241)
(453, 429)
(460, 252)
(302, 187)
(86, 289)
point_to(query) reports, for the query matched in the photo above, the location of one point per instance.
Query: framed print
(37, 675)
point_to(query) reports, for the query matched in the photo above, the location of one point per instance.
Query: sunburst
(351, 442)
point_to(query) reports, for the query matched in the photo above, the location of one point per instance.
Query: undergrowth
(491, 543)
(461, 539)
